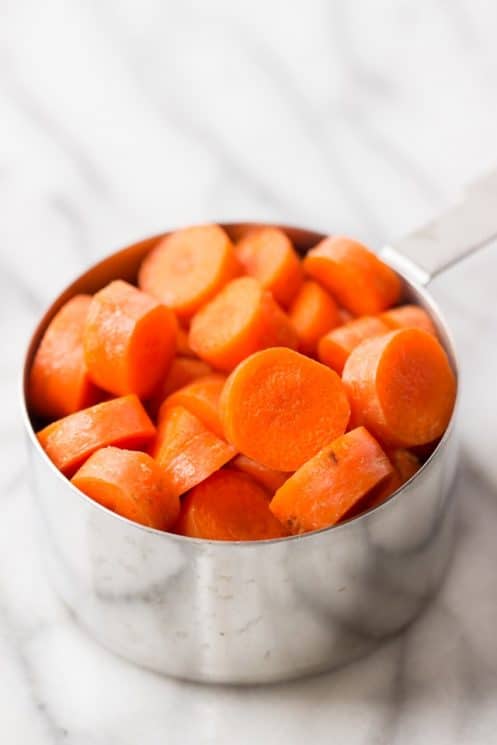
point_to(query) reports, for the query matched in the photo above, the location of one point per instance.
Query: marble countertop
(119, 119)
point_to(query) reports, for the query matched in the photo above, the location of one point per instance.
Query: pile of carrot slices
(239, 392)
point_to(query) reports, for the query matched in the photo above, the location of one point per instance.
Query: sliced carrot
(122, 422)
(129, 483)
(335, 347)
(183, 370)
(328, 486)
(401, 387)
(268, 478)
(183, 349)
(241, 319)
(405, 464)
(313, 313)
(202, 399)
(129, 340)
(188, 267)
(279, 408)
(409, 316)
(268, 255)
(228, 506)
(58, 381)
(187, 451)
(358, 279)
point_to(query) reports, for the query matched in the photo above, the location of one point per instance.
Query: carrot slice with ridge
(313, 313)
(228, 506)
(129, 483)
(401, 387)
(335, 347)
(129, 340)
(241, 319)
(268, 478)
(408, 316)
(268, 255)
(59, 383)
(188, 267)
(201, 397)
(357, 278)
(328, 486)
(279, 408)
(121, 421)
(183, 370)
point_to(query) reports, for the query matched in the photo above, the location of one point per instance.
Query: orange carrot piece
(358, 279)
(187, 451)
(313, 313)
(335, 347)
(241, 319)
(401, 387)
(268, 255)
(345, 316)
(129, 340)
(183, 349)
(129, 483)
(409, 316)
(58, 381)
(188, 267)
(279, 408)
(201, 397)
(121, 421)
(183, 370)
(228, 506)
(405, 464)
(268, 478)
(328, 486)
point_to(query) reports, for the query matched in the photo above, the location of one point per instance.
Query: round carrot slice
(228, 506)
(358, 279)
(201, 397)
(241, 319)
(128, 483)
(189, 267)
(59, 383)
(401, 387)
(279, 408)
(408, 316)
(183, 370)
(329, 485)
(335, 346)
(313, 313)
(268, 255)
(129, 340)
(268, 478)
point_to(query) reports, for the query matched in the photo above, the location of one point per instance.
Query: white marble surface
(118, 119)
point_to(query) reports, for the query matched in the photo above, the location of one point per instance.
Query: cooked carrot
(187, 451)
(129, 340)
(182, 347)
(268, 478)
(345, 316)
(279, 408)
(313, 313)
(129, 483)
(268, 255)
(183, 370)
(401, 387)
(201, 397)
(241, 319)
(228, 506)
(335, 346)
(122, 422)
(188, 267)
(409, 316)
(358, 279)
(58, 381)
(405, 464)
(328, 486)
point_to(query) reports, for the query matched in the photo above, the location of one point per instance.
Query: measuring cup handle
(464, 228)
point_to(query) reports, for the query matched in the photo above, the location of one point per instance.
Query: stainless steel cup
(260, 611)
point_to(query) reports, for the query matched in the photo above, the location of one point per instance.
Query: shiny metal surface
(243, 612)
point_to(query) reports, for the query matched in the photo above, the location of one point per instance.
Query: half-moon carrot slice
(268, 478)
(358, 279)
(188, 267)
(228, 506)
(241, 319)
(401, 387)
(129, 483)
(268, 255)
(408, 316)
(335, 346)
(129, 340)
(201, 397)
(313, 313)
(279, 408)
(121, 421)
(183, 370)
(328, 486)
(59, 383)
(187, 451)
